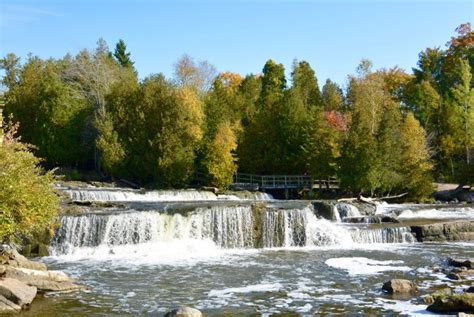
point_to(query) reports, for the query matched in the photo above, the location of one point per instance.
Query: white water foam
(264, 287)
(444, 213)
(364, 266)
(124, 194)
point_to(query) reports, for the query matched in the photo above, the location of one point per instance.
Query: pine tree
(121, 54)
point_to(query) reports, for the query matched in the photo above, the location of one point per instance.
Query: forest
(386, 131)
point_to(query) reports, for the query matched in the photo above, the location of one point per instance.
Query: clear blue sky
(236, 35)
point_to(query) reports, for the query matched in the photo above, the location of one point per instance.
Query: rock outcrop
(399, 286)
(453, 303)
(21, 280)
(448, 231)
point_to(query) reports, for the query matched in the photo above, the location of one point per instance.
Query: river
(240, 256)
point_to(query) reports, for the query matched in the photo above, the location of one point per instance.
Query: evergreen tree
(121, 54)
(305, 84)
(332, 96)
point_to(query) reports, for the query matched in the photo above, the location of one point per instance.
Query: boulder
(399, 286)
(470, 289)
(17, 292)
(7, 306)
(429, 299)
(453, 303)
(184, 312)
(461, 262)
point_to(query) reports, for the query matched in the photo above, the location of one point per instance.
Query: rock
(2, 270)
(43, 280)
(453, 276)
(399, 286)
(184, 312)
(453, 303)
(470, 289)
(448, 231)
(7, 306)
(461, 262)
(9, 256)
(460, 193)
(17, 292)
(429, 299)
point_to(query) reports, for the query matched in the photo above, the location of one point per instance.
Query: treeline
(387, 132)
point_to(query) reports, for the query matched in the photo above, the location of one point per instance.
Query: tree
(196, 75)
(121, 54)
(220, 161)
(305, 84)
(415, 157)
(28, 203)
(332, 96)
(360, 166)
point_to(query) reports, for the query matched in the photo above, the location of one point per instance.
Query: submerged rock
(453, 303)
(17, 292)
(184, 312)
(400, 286)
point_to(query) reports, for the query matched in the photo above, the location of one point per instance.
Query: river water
(226, 256)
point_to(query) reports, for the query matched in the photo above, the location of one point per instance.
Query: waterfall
(121, 194)
(383, 235)
(227, 227)
(347, 211)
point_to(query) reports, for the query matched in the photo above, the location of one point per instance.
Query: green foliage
(28, 204)
(121, 54)
(332, 97)
(219, 161)
(415, 157)
(90, 110)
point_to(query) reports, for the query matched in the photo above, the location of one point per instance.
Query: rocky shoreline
(443, 299)
(21, 280)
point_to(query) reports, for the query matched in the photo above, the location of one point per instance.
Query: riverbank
(21, 280)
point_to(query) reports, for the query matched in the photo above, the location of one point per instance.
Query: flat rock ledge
(446, 231)
(21, 280)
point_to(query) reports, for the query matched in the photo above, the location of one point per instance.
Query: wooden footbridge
(286, 182)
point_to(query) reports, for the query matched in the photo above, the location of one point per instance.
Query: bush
(28, 204)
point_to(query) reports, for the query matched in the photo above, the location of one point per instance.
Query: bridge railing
(285, 181)
(275, 181)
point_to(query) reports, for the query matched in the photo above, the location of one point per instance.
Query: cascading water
(227, 227)
(383, 235)
(344, 210)
(121, 194)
